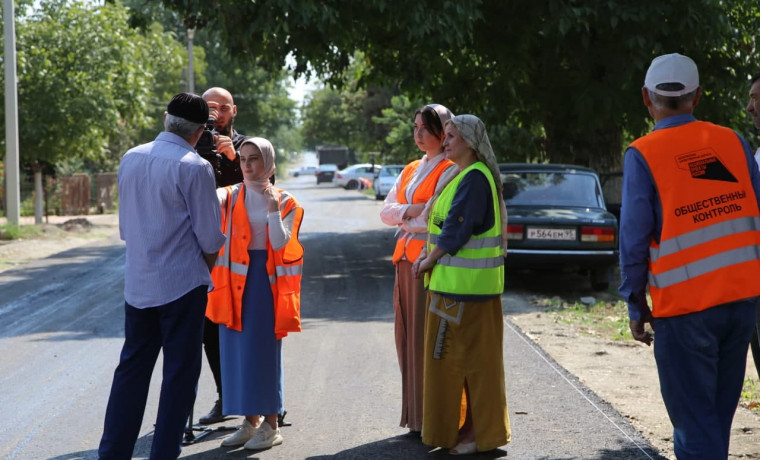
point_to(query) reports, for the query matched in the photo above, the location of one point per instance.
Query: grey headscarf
(474, 133)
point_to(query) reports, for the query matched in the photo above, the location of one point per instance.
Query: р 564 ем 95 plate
(551, 233)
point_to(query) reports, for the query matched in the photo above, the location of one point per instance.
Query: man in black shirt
(222, 109)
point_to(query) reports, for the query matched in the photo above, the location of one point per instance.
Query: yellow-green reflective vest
(478, 267)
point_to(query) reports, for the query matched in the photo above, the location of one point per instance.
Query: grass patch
(751, 394)
(601, 319)
(17, 232)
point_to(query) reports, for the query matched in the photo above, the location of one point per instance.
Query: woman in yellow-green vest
(464, 269)
(256, 296)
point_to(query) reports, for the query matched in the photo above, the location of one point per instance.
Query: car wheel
(600, 278)
(352, 185)
(379, 197)
(295, 174)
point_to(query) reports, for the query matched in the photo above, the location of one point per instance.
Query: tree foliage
(347, 115)
(557, 80)
(260, 93)
(85, 79)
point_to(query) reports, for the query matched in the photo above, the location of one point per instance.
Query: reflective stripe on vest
(225, 303)
(486, 242)
(703, 266)
(409, 245)
(461, 262)
(709, 248)
(715, 231)
(477, 268)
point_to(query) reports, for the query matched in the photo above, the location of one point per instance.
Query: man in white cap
(689, 229)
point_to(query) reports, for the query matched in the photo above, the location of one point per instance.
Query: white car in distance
(384, 180)
(349, 177)
(304, 170)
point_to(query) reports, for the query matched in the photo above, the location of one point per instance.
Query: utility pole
(12, 183)
(190, 72)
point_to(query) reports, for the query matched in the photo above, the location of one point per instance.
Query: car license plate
(551, 233)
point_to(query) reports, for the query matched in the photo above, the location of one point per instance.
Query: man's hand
(225, 147)
(638, 331)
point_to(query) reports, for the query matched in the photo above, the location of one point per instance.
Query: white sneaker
(264, 438)
(241, 436)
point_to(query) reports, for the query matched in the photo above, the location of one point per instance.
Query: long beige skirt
(464, 343)
(409, 306)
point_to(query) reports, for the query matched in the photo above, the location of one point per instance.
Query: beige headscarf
(444, 114)
(261, 182)
(474, 133)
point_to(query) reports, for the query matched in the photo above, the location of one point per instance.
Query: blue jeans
(177, 327)
(701, 358)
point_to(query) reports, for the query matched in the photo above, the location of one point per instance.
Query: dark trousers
(701, 358)
(177, 328)
(211, 346)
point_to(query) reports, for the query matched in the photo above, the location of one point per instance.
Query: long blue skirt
(252, 359)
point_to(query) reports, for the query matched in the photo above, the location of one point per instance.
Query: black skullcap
(189, 106)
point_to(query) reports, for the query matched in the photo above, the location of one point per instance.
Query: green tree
(85, 79)
(260, 92)
(347, 115)
(85, 82)
(396, 119)
(557, 80)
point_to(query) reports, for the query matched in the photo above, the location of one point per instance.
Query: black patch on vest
(705, 165)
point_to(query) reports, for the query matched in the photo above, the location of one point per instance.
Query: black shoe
(214, 416)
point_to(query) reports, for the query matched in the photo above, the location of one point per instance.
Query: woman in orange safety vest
(256, 296)
(405, 207)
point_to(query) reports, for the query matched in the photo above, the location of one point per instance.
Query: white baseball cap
(672, 68)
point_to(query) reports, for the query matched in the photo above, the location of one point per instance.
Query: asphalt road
(61, 330)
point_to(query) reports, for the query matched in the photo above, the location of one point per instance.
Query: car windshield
(551, 188)
(391, 171)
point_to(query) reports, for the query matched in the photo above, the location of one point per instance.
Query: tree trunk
(599, 148)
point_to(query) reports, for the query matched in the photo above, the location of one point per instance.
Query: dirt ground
(59, 233)
(622, 373)
(625, 375)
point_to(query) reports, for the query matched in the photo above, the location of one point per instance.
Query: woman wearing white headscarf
(464, 268)
(405, 208)
(256, 296)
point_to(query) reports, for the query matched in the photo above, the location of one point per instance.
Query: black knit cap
(189, 106)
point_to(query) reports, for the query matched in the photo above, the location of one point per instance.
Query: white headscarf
(261, 182)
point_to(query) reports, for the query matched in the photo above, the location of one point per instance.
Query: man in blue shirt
(170, 220)
(689, 228)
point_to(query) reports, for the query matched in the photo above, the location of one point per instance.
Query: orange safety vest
(707, 254)
(410, 245)
(284, 267)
